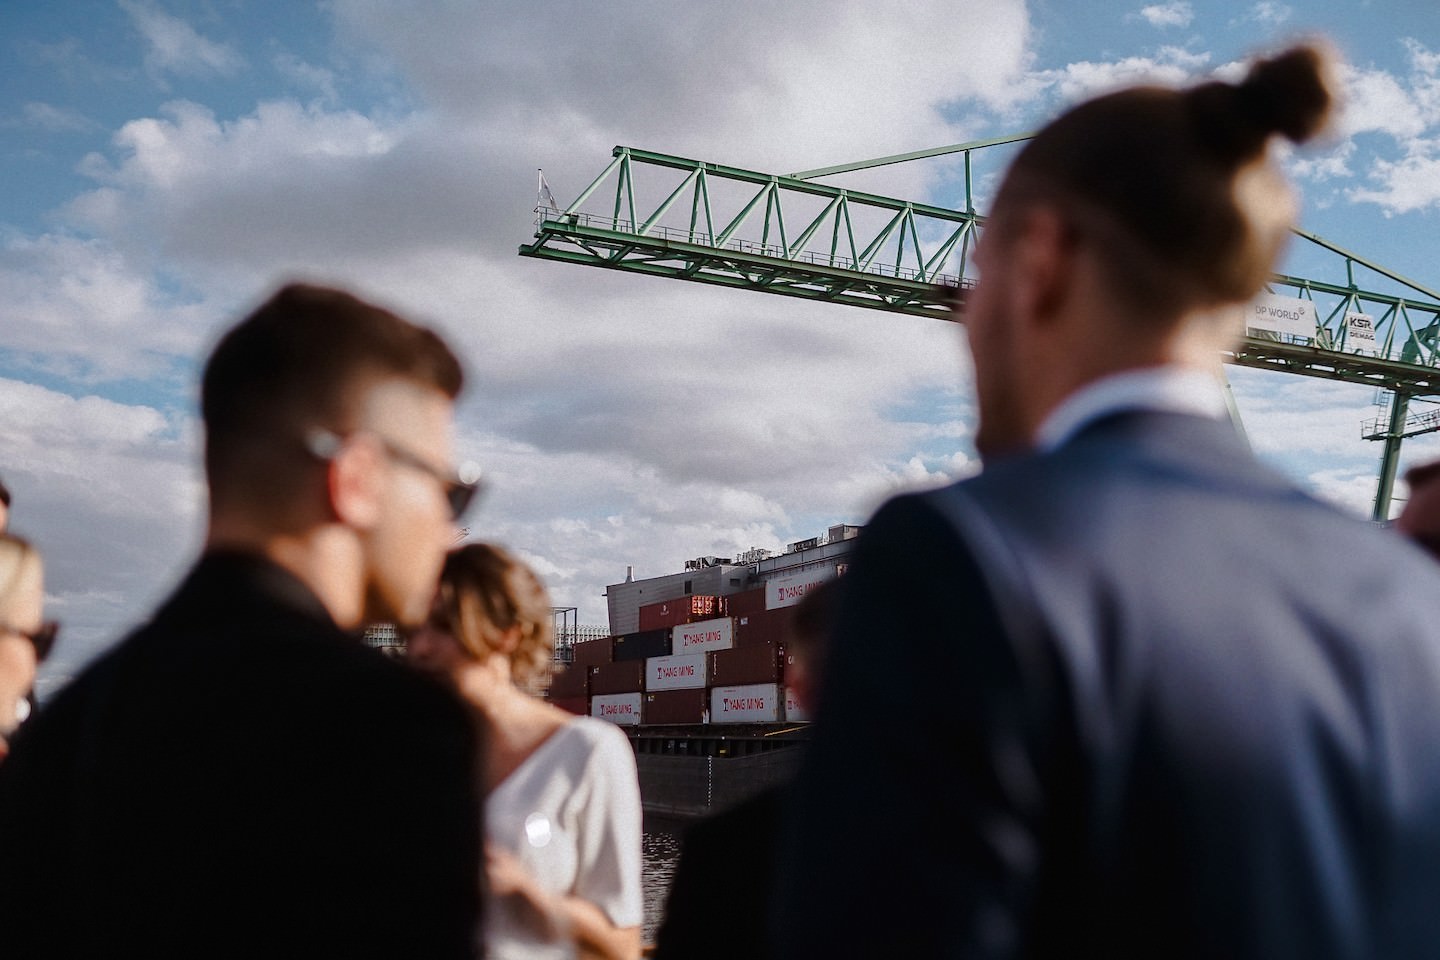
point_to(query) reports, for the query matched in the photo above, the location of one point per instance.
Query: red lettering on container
(744, 703)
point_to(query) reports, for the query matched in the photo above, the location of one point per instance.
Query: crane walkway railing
(1425, 421)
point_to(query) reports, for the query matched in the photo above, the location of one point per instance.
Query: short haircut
(486, 591)
(298, 362)
(1174, 185)
(4, 493)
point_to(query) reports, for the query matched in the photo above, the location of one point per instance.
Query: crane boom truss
(699, 221)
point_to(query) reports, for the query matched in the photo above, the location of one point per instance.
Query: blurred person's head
(490, 607)
(1420, 519)
(24, 636)
(328, 432)
(1127, 231)
(4, 506)
(811, 625)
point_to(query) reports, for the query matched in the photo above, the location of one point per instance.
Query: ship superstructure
(694, 671)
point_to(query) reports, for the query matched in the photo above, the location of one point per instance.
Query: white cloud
(1267, 13)
(1077, 81)
(79, 309)
(1406, 109)
(110, 494)
(1405, 185)
(1177, 13)
(1377, 101)
(319, 80)
(55, 119)
(780, 99)
(173, 46)
(1330, 165)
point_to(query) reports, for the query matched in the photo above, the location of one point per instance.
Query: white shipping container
(702, 637)
(793, 710)
(752, 703)
(787, 591)
(621, 708)
(682, 672)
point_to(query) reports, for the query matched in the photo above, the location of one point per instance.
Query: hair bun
(1289, 94)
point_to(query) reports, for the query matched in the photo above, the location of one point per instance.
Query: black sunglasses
(459, 493)
(42, 639)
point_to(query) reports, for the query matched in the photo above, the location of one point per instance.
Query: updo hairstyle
(484, 592)
(1175, 187)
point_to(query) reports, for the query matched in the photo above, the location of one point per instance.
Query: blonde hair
(486, 592)
(20, 569)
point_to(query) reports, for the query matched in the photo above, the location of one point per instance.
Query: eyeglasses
(42, 639)
(459, 492)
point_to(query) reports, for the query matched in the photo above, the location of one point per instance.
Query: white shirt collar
(1168, 389)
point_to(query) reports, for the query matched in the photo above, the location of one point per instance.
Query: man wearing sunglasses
(242, 776)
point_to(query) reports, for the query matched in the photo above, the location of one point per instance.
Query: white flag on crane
(547, 199)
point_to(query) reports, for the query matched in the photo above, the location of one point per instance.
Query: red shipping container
(767, 626)
(571, 681)
(759, 663)
(625, 677)
(672, 613)
(745, 603)
(590, 653)
(676, 706)
(580, 706)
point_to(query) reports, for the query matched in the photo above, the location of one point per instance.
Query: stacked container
(621, 708)
(623, 676)
(672, 613)
(703, 636)
(676, 706)
(695, 659)
(760, 663)
(751, 703)
(639, 646)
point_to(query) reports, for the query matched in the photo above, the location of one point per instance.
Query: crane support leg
(1390, 459)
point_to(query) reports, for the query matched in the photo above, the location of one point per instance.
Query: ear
(354, 482)
(508, 641)
(1044, 252)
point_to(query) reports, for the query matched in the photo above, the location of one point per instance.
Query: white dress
(571, 814)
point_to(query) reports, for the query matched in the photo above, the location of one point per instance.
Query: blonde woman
(562, 815)
(24, 637)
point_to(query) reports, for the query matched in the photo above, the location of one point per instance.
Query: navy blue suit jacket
(1136, 697)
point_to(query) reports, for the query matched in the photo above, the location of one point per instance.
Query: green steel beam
(912, 155)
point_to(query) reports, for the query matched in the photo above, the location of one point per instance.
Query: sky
(170, 162)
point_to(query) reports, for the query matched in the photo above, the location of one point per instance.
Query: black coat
(720, 899)
(1136, 697)
(240, 778)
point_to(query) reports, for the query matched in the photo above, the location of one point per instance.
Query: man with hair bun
(1128, 693)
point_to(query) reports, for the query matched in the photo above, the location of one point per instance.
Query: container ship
(694, 672)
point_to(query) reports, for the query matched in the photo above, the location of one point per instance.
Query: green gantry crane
(698, 221)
